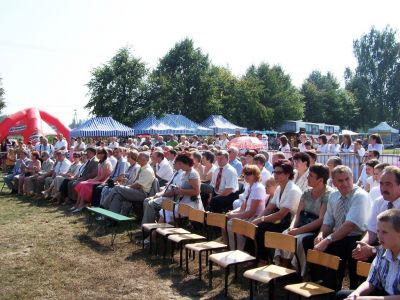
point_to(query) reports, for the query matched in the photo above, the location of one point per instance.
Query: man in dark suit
(88, 170)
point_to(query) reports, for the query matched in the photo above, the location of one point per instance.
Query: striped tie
(341, 211)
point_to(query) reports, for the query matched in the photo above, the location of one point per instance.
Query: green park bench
(120, 220)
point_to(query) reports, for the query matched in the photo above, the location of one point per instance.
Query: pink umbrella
(246, 142)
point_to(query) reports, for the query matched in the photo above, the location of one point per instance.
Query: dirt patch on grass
(45, 253)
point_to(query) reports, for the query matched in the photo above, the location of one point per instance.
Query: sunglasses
(247, 173)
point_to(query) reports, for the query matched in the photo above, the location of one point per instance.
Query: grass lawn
(46, 254)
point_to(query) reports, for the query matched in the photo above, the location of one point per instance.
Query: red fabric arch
(31, 123)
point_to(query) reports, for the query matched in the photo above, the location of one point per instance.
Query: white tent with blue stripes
(219, 125)
(152, 125)
(102, 127)
(189, 127)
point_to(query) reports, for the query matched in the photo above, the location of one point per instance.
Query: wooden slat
(323, 259)
(216, 220)
(197, 215)
(280, 241)
(363, 268)
(183, 210)
(244, 228)
(168, 205)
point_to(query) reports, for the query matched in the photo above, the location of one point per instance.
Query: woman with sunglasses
(253, 205)
(278, 214)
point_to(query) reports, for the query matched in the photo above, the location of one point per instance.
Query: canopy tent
(383, 127)
(219, 125)
(349, 132)
(388, 134)
(102, 127)
(152, 125)
(186, 125)
(267, 132)
(31, 123)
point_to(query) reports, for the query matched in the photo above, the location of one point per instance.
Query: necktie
(341, 211)
(218, 181)
(115, 170)
(137, 176)
(390, 205)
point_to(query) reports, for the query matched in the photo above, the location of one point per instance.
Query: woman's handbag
(306, 218)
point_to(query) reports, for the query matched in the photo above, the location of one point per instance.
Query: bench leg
(226, 281)
(251, 289)
(187, 260)
(200, 265)
(210, 266)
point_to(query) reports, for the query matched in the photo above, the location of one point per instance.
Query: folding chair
(270, 273)
(212, 220)
(234, 257)
(311, 289)
(196, 217)
(363, 269)
(183, 212)
(166, 205)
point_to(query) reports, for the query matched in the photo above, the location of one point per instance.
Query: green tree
(326, 102)
(375, 81)
(2, 92)
(280, 99)
(117, 88)
(180, 84)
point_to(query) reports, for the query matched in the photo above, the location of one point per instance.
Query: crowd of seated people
(328, 207)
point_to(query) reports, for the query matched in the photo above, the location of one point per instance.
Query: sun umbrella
(246, 142)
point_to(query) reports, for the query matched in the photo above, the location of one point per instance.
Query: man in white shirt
(224, 141)
(225, 184)
(162, 168)
(60, 168)
(79, 145)
(61, 143)
(113, 143)
(45, 146)
(344, 222)
(390, 189)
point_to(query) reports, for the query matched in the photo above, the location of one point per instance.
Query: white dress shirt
(229, 179)
(164, 170)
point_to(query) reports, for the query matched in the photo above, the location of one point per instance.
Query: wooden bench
(119, 219)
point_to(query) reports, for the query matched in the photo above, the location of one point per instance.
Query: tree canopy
(2, 92)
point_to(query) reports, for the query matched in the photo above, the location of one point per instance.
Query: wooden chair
(196, 217)
(234, 257)
(166, 205)
(213, 220)
(270, 273)
(312, 289)
(363, 269)
(183, 212)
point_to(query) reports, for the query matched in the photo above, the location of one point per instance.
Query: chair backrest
(216, 220)
(280, 241)
(183, 210)
(323, 259)
(197, 215)
(168, 205)
(363, 268)
(244, 228)
(155, 188)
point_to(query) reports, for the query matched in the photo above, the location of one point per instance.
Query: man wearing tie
(390, 189)
(225, 183)
(344, 222)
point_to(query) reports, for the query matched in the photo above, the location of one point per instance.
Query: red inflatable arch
(31, 123)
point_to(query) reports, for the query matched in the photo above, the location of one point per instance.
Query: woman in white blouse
(347, 145)
(323, 144)
(334, 146)
(375, 143)
(284, 145)
(253, 205)
(301, 163)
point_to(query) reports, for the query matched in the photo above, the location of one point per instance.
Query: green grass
(47, 254)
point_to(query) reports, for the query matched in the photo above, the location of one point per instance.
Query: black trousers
(97, 195)
(261, 229)
(343, 249)
(64, 187)
(221, 204)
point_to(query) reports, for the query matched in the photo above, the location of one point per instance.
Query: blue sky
(48, 48)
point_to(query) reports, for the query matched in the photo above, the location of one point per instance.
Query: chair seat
(225, 259)
(169, 231)
(197, 247)
(177, 238)
(265, 274)
(153, 226)
(308, 289)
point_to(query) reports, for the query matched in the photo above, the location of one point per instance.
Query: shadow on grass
(94, 244)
